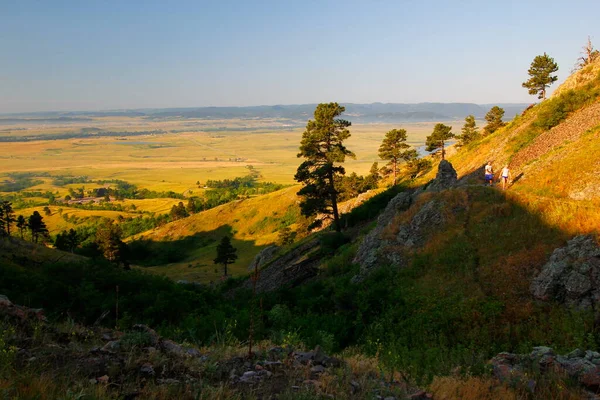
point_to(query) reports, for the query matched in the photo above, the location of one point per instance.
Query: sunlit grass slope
(253, 224)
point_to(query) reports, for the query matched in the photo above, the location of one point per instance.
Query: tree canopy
(438, 138)
(541, 77)
(323, 149)
(394, 149)
(470, 131)
(37, 226)
(494, 120)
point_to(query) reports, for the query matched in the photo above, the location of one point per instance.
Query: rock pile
(572, 275)
(582, 366)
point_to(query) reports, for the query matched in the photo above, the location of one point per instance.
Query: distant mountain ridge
(299, 113)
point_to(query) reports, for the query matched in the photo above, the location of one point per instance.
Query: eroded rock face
(445, 179)
(373, 251)
(572, 275)
(368, 252)
(292, 268)
(267, 254)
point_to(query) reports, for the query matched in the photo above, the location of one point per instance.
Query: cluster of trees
(323, 176)
(35, 223)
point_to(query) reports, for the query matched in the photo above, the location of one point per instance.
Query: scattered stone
(421, 395)
(20, 313)
(578, 365)
(572, 275)
(147, 369)
(103, 379)
(112, 346)
(168, 381)
(317, 369)
(304, 357)
(174, 349)
(355, 387)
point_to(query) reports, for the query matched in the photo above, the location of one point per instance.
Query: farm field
(176, 161)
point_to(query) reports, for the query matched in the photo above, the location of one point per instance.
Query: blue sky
(88, 55)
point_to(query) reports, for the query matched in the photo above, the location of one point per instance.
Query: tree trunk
(225, 269)
(443, 151)
(336, 216)
(395, 168)
(544, 94)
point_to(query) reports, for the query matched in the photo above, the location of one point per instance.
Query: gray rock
(572, 275)
(445, 179)
(317, 369)
(174, 349)
(368, 253)
(264, 257)
(113, 345)
(4, 301)
(147, 369)
(291, 269)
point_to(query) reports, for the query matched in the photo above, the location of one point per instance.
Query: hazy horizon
(85, 56)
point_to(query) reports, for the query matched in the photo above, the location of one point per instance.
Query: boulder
(572, 275)
(264, 257)
(445, 179)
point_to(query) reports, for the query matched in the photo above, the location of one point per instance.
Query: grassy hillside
(552, 150)
(253, 224)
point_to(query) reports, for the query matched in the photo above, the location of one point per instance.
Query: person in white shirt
(505, 177)
(489, 174)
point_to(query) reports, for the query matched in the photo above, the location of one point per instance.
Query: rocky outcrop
(581, 366)
(572, 275)
(292, 268)
(19, 313)
(267, 254)
(445, 178)
(373, 250)
(368, 254)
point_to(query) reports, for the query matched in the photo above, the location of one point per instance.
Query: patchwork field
(176, 160)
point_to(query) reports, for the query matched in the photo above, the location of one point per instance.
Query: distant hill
(361, 113)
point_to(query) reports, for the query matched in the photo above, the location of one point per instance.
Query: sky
(99, 55)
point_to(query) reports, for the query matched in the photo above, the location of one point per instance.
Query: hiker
(489, 174)
(505, 177)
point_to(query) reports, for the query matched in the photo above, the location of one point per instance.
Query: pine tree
(470, 132)
(226, 254)
(8, 215)
(541, 71)
(108, 239)
(437, 140)
(494, 120)
(191, 206)
(37, 226)
(323, 148)
(395, 149)
(21, 225)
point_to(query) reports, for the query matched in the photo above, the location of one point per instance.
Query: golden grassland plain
(175, 161)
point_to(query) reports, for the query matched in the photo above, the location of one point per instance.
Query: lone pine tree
(323, 148)
(541, 71)
(226, 254)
